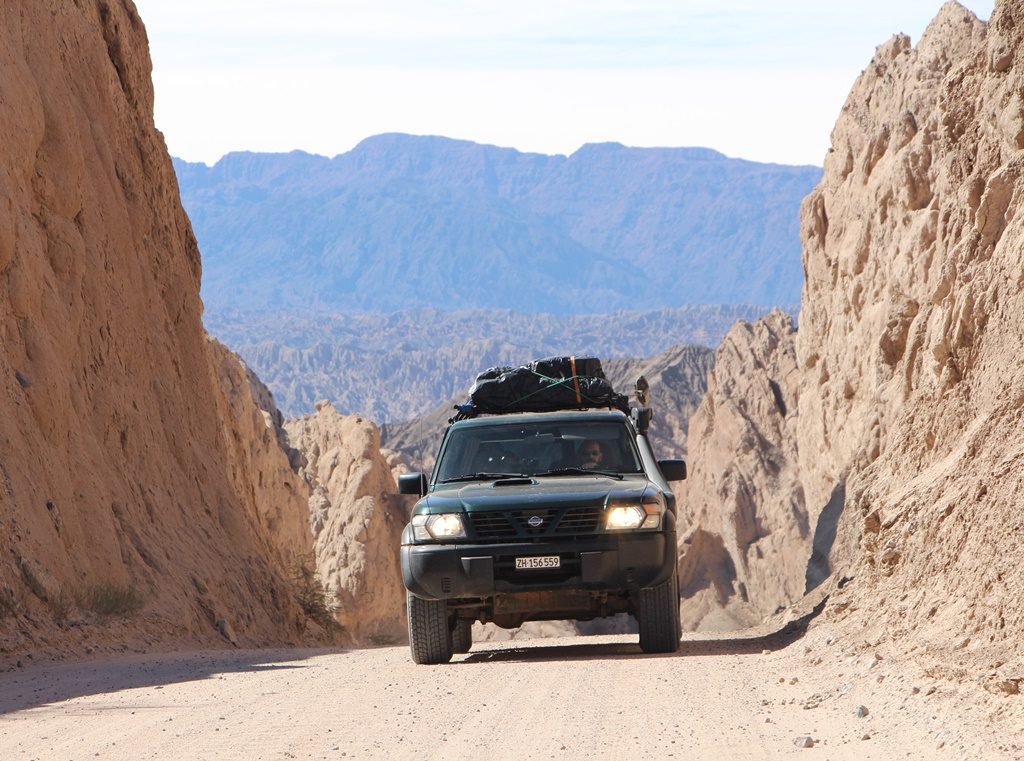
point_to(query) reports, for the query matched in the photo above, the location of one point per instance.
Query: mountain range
(405, 221)
(399, 366)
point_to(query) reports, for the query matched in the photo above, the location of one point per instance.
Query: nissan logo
(535, 521)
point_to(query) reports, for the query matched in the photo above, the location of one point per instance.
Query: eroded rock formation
(261, 459)
(910, 336)
(357, 517)
(743, 526)
(908, 354)
(119, 469)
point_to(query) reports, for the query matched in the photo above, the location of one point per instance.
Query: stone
(358, 517)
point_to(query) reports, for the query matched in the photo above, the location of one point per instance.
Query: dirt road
(596, 697)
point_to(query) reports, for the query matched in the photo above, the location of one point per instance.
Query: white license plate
(539, 561)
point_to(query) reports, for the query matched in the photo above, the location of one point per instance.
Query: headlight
(441, 526)
(632, 516)
(623, 517)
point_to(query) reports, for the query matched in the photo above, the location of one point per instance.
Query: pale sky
(751, 78)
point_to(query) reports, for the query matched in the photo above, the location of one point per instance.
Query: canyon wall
(910, 335)
(907, 373)
(126, 470)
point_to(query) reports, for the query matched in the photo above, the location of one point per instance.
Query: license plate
(539, 561)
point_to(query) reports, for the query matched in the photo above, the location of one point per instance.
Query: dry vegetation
(313, 597)
(108, 599)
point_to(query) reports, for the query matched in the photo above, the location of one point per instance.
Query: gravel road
(595, 697)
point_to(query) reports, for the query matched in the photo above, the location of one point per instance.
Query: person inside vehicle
(591, 454)
(506, 461)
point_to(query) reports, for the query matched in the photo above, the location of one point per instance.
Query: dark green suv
(541, 516)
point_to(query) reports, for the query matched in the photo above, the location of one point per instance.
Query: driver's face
(592, 452)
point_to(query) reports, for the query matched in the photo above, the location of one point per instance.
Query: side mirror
(673, 470)
(413, 483)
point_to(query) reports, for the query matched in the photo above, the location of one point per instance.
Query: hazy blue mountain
(403, 221)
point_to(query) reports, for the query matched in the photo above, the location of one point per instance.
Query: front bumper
(607, 562)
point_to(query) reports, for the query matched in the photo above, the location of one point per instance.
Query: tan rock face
(744, 538)
(114, 467)
(357, 518)
(911, 333)
(908, 363)
(259, 462)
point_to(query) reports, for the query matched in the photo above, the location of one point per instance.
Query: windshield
(508, 449)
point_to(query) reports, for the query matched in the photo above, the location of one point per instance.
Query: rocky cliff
(908, 354)
(357, 518)
(126, 471)
(743, 529)
(910, 336)
(262, 463)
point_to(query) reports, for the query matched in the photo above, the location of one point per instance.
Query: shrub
(112, 599)
(313, 597)
(60, 605)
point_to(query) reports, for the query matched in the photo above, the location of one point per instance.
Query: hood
(564, 491)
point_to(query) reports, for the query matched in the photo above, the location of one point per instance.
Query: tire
(430, 639)
(658, 615)
(462, 635)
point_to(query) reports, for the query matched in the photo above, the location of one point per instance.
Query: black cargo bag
(556, 383)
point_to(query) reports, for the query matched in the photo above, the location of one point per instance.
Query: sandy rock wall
(113, 464)
(910, 336)
(744, 535)
(260, 461)
(357, 518)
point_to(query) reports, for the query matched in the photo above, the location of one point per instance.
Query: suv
(541, 516)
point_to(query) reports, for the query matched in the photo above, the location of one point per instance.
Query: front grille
(533, 522)
(580, 520)
(511, 525)
(492, 526)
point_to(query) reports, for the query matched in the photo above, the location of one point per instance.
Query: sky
(758, 80)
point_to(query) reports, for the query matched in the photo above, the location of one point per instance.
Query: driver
(591, 454)
(506, 460)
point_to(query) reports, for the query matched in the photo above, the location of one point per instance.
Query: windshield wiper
(580, 472)
(481, 477)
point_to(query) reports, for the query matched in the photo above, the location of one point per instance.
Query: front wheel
(462, 635)
(430, 639)
(658, 615)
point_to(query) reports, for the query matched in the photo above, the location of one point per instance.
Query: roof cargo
(556, 383)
